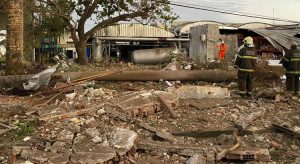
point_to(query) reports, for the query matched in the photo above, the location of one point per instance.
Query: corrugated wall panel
(133, 30)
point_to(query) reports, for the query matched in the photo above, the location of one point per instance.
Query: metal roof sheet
(284, 38)
(133, 30)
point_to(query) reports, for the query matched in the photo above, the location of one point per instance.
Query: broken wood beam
(167, 106)
(216, 133)
(162, 134)
(286, 130)
(157, 147)
(70, 114)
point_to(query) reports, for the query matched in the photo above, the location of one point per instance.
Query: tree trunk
(15, 43)
(81, 51)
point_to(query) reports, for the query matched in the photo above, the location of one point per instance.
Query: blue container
(88, 52)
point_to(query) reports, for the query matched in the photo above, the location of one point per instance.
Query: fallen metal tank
(152, 56)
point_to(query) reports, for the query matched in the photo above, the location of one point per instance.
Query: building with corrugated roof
(122, 39)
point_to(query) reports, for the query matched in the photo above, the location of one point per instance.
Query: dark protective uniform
(246, 63)
(291, 62)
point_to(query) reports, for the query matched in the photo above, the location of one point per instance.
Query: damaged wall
(203, 42)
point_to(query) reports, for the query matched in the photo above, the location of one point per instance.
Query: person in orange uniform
(222, 50)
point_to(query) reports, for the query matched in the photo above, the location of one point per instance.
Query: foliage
(25, 129)
(73, 14)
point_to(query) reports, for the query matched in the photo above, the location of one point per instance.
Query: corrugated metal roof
(134, 30)
(284, 38)
(186, 28)
(254, 25)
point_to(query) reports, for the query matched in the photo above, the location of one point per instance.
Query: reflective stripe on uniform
(293, 72)
(247, 57)
(246, 70)
(295, 59)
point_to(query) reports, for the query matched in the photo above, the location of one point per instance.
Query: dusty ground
(24, 114)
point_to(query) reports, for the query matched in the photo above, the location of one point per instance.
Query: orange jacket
(222, 47)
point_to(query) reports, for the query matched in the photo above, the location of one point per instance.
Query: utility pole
(273, 16)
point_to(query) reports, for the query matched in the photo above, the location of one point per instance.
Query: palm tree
(15, 43)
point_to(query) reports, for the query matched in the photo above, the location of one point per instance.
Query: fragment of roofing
(186, 27)
(279, 38)
(254, 25)
(134, 30)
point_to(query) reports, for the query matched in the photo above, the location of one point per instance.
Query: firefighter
(222, 50)
(291, 62)
(246, 64)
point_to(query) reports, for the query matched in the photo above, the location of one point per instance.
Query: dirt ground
(21, 117)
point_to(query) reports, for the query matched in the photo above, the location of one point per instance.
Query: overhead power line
(229, 12)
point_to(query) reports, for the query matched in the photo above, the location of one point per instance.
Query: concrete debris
(70, 96)
(251, 154)
(122, 138)
(66, 136)
(181, 149)
(74, 127)
(200, 92)
(197, 159)
(101, 112)
(92, 153)
(60, 147)
(245, 120)
(97, 139)
(226, 140)
(144, 103)
(36, 156)
(171, 66)
(93, 132)
(209, 103)
(26, 138)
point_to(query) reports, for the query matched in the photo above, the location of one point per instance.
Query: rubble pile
(183, 123)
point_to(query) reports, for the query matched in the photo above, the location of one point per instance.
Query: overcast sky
(287, 9)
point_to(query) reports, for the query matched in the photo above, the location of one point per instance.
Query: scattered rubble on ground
(149, 122)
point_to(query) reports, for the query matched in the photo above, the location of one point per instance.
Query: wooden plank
(162, 134)
(286, 130)
(166, 105)
(71, 114)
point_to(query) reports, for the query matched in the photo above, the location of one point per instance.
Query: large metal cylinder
(151, 56)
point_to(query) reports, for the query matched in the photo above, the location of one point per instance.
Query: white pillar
(97, 49)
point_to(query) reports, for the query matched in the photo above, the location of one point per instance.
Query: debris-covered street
(149, 82)
(150, 122)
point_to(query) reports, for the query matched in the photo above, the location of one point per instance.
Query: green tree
(75, 14)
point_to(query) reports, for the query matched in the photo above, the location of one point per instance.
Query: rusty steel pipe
(147, 75)
(182, 75)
